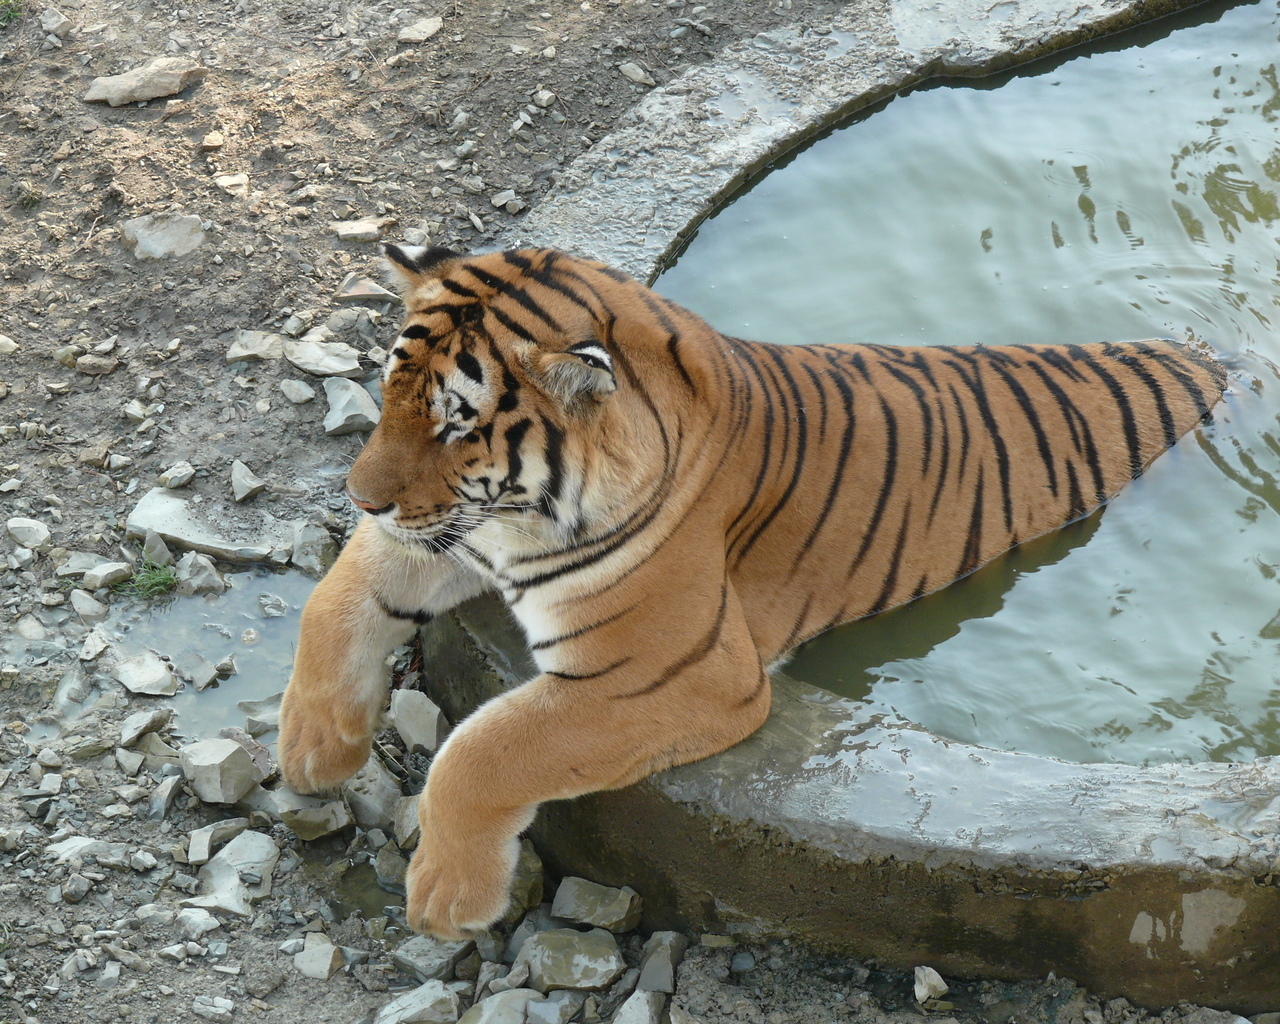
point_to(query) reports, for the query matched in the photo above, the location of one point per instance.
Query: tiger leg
(552, 739)
(372, 599)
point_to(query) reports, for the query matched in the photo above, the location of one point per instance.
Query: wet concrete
(866, 836)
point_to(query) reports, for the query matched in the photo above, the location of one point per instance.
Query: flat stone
(212, 1007)
(157, 236)
(77, 563)
(426, 958)
(75, 888)
(244, 483)
(585, 902)
(390, 868)
(146, 673)
(420, 723)
(162, 798)
(430, 1003)
(255, 346)
(565, 958)
(177, 475)
(250, 854)
(188, 525)
(355, 288)
(233, 184)
(420, 31)
(106, 574)
(140, 723)
(30, 533)
(321, 961)
(155, 550)
(196, 669)
(160, 76)
(559, 1007)
(219, 771)
(351, 408)
(324, 358)
(507, 1007)
(633, 72)
(196, 574)
(366, 229)
(261, 715)
(309, 817)
(314, 549)
(53, 22)
(298, 392)
(404, 821)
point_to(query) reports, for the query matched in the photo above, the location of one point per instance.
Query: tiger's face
(482, 392)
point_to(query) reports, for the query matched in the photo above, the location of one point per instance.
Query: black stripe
(891, 577)
(978, 394)
(970, 558)
(673, 349)
(470, 365)
(511, 325)
(555, 459)
(926, 413)
(514, 292)
(699, 653)
(419, 618)
(842, 460)
(890, 473)
(579, 677)
(542, 645)
(417, 332)
(513, 436)
(1032, 416)
(1126, 412)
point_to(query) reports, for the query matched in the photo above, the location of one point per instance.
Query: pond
(1127, 191)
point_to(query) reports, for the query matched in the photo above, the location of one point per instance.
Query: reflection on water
(1118, 194)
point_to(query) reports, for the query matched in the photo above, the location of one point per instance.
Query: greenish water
(1123, 193)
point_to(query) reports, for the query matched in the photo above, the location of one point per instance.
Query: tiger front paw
(320, 747)
(458, 895)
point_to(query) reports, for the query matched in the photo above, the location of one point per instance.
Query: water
(255, 622)
(1118, 194)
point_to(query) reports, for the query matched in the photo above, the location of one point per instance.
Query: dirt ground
(331, 119)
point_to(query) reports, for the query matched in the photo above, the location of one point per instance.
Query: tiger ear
(581, 372)
(411, 265)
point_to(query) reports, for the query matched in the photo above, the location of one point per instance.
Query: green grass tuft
(11, 11)
(150, 579)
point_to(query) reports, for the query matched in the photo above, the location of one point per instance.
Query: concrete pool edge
(875, 838)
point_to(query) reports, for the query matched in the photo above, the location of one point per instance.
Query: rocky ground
(190, 334)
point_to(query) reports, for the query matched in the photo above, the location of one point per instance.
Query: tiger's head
(496, 397)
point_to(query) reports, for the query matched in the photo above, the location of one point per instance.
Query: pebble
(213, 1007)
(226, 878)
(372, 794)
(76, 888)
(430, 1003)
(425, 958)
(742, 961)
(419, 722)
(187, 525)
(7, 345)
(213, 140)
(296, 391)
(202, 842)
(90, 609)
(160, 76)
(193, 922)
(232, 184)
(928, 984)
(53, 22)
(508, 1007)
(565, 958)
(633, 72)
(351, 408)
(320, 960)
(95, 365)
(244, 483)
(365, 229)
(198, 575)
(641, 1008)
(161, 235)
(355, 288)
(662, 954)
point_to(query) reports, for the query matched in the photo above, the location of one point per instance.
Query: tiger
(667, 511)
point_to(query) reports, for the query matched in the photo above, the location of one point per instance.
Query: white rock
(296, 391)
(55, 23)
(106, 574)
(929, 984)
(198, 575)
(188, 525)
(255, 346)
(633, 72)
(140, 723)
(7, 345)
(89, 608)
(244, 483)
(420, 31)
(323, 358)
(351, 408)
(430, 1003)
(565, 958)
(308, 816)
(248, 855)
(201, 842)
(426, 958)
(502, 198)
(213, 1007)
(160, 235)
(641, 1008)
(314, 550)
(421, 725)
(319, 960)
(146, 673)
(177, 475)
(193, 922)
(507, 1007)
(663, 952)
(219, 771)
(372, 794)
(30, 533)
(160, 76)
(366, 229)
(543, 98)
(404, 820)
(232, 184)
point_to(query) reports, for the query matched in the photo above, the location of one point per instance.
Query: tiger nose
(368, 506)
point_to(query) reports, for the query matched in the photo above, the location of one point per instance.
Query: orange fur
(667, 510)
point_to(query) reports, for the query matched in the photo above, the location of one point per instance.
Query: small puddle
(1121, 193)
(254, 622)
